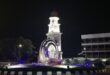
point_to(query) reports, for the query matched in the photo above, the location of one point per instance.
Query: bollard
(5, 73)
(29, 73)
(12, 73)
(68, 73)
(39, 73)
(59, 73)
(20, 73)
(49, 72)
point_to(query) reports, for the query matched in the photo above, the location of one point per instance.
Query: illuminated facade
(96, 45)
(54, 31)
(48, 53)
(50, 49)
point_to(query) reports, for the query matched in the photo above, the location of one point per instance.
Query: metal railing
(6, 72)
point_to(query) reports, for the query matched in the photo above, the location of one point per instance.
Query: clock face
(51, 51)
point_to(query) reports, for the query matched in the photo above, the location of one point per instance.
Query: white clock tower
(54, 31)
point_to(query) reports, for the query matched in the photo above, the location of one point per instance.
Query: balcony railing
(87, 44)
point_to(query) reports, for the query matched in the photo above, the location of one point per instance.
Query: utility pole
(19, 52)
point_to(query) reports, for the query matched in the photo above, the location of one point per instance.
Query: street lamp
(85, 52)
(20, 45)
(19, 52)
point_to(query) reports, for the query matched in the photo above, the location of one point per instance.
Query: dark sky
(29, 19)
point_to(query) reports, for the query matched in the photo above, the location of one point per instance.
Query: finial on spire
(54, 14)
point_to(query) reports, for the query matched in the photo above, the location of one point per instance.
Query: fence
(12, 72)
(43, 70)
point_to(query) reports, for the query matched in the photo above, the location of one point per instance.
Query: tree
(24, 50)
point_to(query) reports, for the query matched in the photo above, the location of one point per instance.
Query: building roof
(102, 43)
(96, 51)
(98, 35)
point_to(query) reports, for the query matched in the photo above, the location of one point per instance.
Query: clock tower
(54, 31)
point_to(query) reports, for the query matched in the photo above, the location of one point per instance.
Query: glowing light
(20, 45)
(54, 25)
(52, 51)
(93, 65)
(63, 62)
(84, 48)
(59, 48)
(73, 66)
(16, 66)
(61, 66)
(92, 59)
(104, 60)
(65, 66)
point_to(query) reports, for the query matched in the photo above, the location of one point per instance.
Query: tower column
(54, 31)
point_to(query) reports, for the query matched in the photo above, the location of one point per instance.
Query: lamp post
(85, 52)
(19, 52)
(20, 45)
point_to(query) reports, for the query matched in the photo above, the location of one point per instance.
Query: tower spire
(54, 14)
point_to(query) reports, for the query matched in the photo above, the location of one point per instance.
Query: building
(54, 30)
(50, 50)
(96, 45)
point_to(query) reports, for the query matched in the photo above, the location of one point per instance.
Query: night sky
(29, 19)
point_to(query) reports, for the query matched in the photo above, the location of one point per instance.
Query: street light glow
(20, 45)
(104, 60)
(84, 48)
